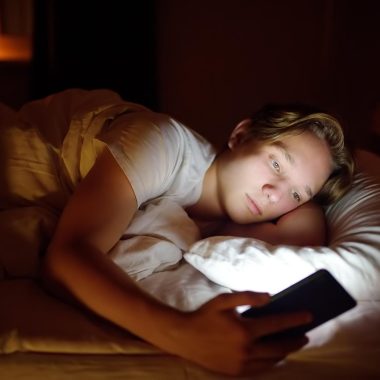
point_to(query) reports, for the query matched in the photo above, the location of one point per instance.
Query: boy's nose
(273, 193)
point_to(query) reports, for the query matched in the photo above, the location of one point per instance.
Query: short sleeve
(155, 152)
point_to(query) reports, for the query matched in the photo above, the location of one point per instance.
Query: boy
(108, 158)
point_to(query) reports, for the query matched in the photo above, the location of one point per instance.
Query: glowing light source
(15, 48)
(16, 29)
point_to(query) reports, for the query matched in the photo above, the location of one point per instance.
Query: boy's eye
(297, 197)
(276, 165)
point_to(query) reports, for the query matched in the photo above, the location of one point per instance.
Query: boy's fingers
(228, 301)
(270, 324)
(277, 349)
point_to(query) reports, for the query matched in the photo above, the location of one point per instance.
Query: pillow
(352, 255)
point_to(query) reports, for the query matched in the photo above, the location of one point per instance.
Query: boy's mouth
(252, 206)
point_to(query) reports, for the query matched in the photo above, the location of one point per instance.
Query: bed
(42, 337)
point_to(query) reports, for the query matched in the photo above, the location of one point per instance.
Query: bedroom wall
(16, 26)
(220, 60)
(96, 44)
(210, 63)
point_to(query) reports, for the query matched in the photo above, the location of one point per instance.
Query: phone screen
(320, 294)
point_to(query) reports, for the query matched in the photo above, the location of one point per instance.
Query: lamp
(16, 30)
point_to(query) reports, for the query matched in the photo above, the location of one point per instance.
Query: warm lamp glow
(15, 48)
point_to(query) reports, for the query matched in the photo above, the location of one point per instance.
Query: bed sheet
(56, 341)
(116, 367)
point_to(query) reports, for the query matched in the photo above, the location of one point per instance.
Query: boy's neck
(208, 208)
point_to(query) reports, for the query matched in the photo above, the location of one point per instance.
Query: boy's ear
(239, 133)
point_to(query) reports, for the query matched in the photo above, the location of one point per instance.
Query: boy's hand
(216, 337)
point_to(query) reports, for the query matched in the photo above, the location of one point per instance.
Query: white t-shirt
(160, 156)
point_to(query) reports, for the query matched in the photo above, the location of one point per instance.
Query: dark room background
(209, 63)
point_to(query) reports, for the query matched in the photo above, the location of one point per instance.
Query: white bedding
(76, 346)
(353, 254)
(33, 324)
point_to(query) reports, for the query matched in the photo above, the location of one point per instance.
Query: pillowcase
(352, 255)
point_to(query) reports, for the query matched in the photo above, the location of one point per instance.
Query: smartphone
(320, 294)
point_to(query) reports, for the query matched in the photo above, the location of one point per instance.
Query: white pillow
(352, 256)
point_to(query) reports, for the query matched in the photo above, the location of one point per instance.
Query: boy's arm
(304, 226)
(77, 264)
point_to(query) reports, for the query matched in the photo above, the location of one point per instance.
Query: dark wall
(14, 83)
(228, 58)
(356, 71)
(95, 44)
(210, 63)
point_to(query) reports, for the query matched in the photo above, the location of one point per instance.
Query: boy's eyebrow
(309, 192)
(282, 147)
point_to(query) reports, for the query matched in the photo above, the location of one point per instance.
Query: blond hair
(274, 122)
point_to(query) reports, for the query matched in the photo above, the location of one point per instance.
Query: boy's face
(260, 181)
